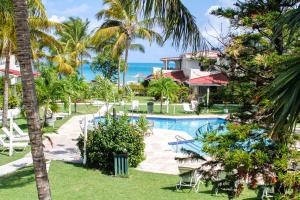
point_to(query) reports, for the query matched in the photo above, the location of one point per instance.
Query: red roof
(213, 79)
(176, 75)
(17, 73)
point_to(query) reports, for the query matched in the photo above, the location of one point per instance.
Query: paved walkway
(160, 158)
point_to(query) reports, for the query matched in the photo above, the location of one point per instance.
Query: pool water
(189, 126)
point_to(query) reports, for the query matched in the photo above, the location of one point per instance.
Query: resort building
(188, 69)
(14, 69)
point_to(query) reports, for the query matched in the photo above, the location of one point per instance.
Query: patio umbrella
(139, 76)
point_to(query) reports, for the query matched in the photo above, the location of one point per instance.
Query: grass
(5, 158)
(70, 181)
(81, 110)
(216, 109)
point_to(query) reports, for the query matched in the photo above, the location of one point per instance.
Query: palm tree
(49, 90)
(75, 38)
(163, 87)
(284, 92)
(176, 20)
(29, 98)
(38, 24)
(122, 22)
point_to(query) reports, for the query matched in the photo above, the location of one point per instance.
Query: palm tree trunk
(6, 87)
(119, 71)
(30, 99)
(126, 63)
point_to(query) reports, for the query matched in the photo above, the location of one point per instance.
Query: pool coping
(208, 116)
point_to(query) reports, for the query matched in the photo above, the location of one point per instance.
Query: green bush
(13, 102)
(113, 136)
(138, 89)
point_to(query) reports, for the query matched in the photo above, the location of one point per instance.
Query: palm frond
(285, 94)
(137, 47)
(178, 23)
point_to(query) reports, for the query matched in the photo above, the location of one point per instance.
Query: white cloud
(227, 3)
(215, 27)
(56, 18)
(76, 10)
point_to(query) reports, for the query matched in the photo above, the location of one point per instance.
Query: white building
(188, 70)
(14, 70)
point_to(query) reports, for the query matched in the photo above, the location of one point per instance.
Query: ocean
(133, 68)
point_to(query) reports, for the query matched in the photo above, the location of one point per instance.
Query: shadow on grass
(18, 179)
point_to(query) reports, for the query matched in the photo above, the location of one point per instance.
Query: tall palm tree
(122, 22)
(163, 87)
(24, 55)
(75, 38)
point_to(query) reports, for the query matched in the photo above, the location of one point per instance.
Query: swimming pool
(188, 125)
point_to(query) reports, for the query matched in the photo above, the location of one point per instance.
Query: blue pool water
(189, 126)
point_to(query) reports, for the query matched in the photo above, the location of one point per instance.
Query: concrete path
(64, 142)
(160, 158)
(15, 165)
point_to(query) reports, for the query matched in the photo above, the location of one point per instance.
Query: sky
(210, 26)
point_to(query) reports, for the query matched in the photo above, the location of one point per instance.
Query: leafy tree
(106, 65)
(76, 88)
(122, 22)
(163, 87)
(104, 89)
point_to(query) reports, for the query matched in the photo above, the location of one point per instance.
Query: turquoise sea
(133, 68)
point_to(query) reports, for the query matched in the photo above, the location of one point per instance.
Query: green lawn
(81, 110)
(70, 181)
(5, 158)
(216, 109)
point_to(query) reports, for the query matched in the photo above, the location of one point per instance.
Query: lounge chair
(15, 138)
(135, 105)
(225, 183)
(18, 130)
(189, 178)
(194, 105)
(265, 192)
(15, 145)
(186, 108)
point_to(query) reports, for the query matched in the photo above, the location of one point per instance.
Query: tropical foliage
(113, 136)
(121, 21)
(163, 88)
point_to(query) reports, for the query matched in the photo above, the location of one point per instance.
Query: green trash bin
(121, 164)
(150, 106)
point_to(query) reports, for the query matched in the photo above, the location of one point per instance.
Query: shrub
(143, 124)
(13, 102)
(113, 136)
(138, 89)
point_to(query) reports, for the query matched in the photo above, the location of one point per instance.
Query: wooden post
(85, 140)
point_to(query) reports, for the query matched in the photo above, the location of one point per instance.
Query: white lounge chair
(135, 105)
(19, 130)
(15, 145)
(15, 138)
(194, 105)
(60, 115)
(186, 108)
(189, 178)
